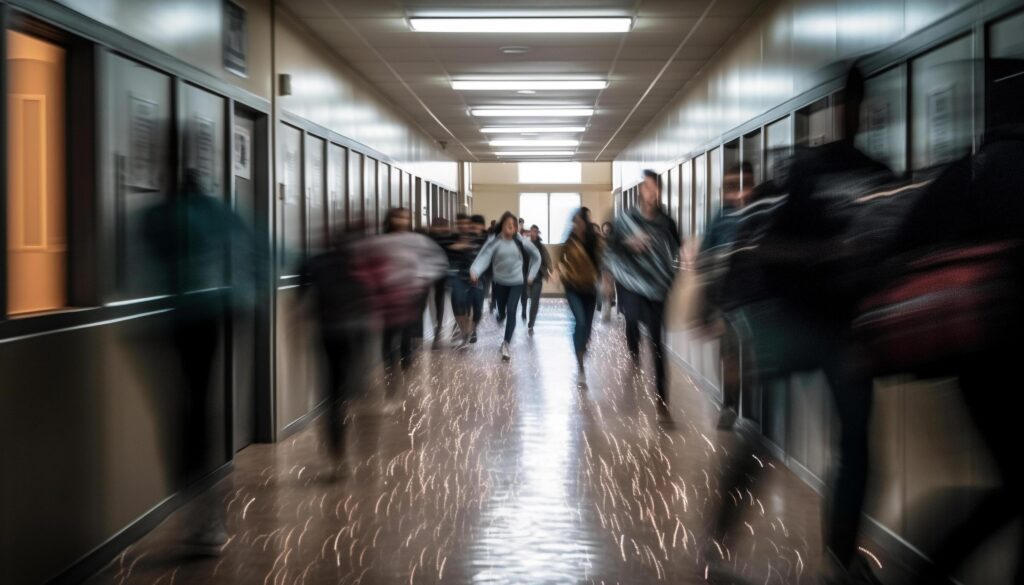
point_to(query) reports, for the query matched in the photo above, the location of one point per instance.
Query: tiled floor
(499, 473)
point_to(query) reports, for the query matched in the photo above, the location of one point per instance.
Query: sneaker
(530, 330)
(472, 338)
(505, 355)
(463, 343)
(727, 418)
(664, 416)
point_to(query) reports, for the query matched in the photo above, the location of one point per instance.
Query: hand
(529, 282)
(473, 277)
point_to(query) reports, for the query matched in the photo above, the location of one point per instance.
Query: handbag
(948, 306)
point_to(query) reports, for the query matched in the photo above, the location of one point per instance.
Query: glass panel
(533, 209)
(396, 188)
(714, 182)
(315, 193)
(664, 189)
(673, 194)
(291, 208)
(778, 142)
(1005, 72)
(370, 194)
(550, 172)
(355, 187)
(384, 188)
(942, 104)
(752, 156)
(883, 119)
(561, 209)
(336, 166)
(700, 194)
(686, 197)
(37, 236)
(814, 124)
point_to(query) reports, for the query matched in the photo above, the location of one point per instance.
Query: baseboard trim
(99, 557)
(303, 421)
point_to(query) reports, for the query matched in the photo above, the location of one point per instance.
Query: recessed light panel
(533, 112)
(535, 143)
(522, 25)
(528, 84)
(533, 129)
(530, 153)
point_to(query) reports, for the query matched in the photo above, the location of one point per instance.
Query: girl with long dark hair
(580, 270)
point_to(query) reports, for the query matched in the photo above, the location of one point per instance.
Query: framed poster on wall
(142, 160)
(242, 159)
(235, 45)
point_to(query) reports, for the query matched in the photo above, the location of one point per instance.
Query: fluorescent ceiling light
(522, 25)
(528, 153)
(535, 143)
(533, 129)
(527, 84)
(533, 112)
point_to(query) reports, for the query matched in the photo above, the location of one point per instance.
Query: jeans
(439, 290)
(639, 309)
(507, 300)
(460, 295)
(582, 306)
(533, 296)
(476, 302)
(342, 372)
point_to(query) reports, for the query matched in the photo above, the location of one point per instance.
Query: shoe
(463, 343)
(505, 355)
(436, 345)
(664, 416)
(472, 338)
(727, 418)
(524, 316)
(530, 330)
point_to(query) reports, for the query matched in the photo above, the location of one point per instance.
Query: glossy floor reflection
(499, 473)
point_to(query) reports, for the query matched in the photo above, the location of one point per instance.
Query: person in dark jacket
(580, 270)
(532, 294)
(643, 254)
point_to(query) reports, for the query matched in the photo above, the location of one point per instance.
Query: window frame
(546, 230)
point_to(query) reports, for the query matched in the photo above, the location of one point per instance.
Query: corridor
(498, 473)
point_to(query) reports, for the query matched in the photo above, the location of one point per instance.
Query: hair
(610, 225)
(501, 221)
(535, 227)
(389, 218)
(853, 97)
(461, 217)
(439, 222)
(650, 174)
(479, 219)
(589, 236)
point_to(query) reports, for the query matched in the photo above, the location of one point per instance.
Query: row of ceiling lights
(516, 25)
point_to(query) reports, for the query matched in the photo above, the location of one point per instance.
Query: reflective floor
(499, 473)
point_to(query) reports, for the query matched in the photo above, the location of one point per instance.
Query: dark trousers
(397, 345)
(737, 362)
(439, 292)
(196, 337)
(532, 294)
(582, 306)
(339, 350)
(476, 302)
(639, 309)
(507, 300)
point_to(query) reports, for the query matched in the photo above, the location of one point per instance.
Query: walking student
(533, 291)
(506, 254)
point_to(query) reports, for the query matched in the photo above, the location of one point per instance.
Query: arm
(546, 260)
(483, 260)
(535, 259)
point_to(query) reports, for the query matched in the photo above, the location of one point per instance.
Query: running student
(532, 293)
(580, 270)
(506, 255)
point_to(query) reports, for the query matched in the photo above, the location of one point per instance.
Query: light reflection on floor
(499, 473)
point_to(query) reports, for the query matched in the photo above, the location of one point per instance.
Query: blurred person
(477, 291)
(337, 278)
(807, 326)
(190, 236)
(440, 232)
(579, 270)
(522, 227)
(718, 245)
(606, 294)
(643, 251)
(533, 292)
(506, 255)
(461, 252)
(409, 263)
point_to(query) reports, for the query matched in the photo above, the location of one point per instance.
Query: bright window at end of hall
(533, 209)
(551, 212)
(36, 232)
(550, 172)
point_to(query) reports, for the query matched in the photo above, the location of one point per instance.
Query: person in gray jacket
(505, 254)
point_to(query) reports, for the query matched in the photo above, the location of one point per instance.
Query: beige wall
(328, 92)
(496, 190)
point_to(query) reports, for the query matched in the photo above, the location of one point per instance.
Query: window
(942, 102)
(883, 119)
(551, 212)
(550, 172)
(36, 215)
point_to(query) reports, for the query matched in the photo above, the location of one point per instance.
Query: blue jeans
(507, 299)
(582, 306)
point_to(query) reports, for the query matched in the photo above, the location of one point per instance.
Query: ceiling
(415, 69)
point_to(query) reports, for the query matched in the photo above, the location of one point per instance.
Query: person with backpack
(506, 255)
(580, 269)
(533, 291)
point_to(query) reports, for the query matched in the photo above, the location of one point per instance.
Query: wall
(496, 189)
(784, 50)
